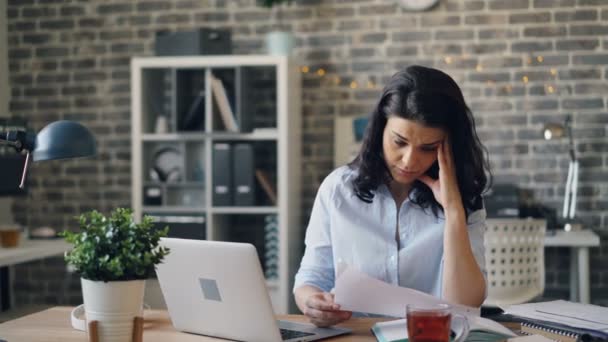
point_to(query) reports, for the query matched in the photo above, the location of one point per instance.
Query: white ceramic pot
(113, 304)
(280, 43)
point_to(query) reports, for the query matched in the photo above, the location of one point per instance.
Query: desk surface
(30, 250)
(581, 238)
(53, 325)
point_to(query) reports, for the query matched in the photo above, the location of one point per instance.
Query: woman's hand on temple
(445, 189)
(322, 311)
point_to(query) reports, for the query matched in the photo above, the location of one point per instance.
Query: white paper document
(356, 291)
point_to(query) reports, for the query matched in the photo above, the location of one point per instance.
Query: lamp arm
(20, 140)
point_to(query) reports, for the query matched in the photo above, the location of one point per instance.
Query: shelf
(244, 210)
(175, 185)
(184, 62)
(261, 135)
(173, 209)
(265, 134)
(177, 137)
(264, 95)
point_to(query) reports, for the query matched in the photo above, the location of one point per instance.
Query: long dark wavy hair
(432, 98)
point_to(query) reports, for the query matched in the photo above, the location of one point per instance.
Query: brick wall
(520, 63)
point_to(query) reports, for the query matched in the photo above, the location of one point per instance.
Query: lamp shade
(64, 139)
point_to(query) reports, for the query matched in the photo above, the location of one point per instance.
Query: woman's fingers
(327, 315)
(327, 318)
(321, 302)
(447, 152)
(427, 180)
(323, 312)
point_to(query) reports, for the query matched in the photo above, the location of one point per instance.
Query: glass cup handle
(464, 331)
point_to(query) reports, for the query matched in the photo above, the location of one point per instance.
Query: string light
(540, 59)
(321, 72)
(550, 89)
(448, 60)
(354, 85)
(525, 79)
(553, 71)
(304, 69)
(479, 68)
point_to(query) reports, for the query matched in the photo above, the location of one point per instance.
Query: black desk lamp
(58, 140)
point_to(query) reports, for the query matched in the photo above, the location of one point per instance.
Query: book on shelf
(223, 104)
(194, 117)
(266, 184)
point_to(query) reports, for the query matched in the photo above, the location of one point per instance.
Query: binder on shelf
(245, 95)
(222, 177)
(266, 184)
(223, 104)
(243, 174)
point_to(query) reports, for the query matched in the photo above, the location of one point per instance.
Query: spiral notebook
(529, 328)
(562, 333)
(562, 320)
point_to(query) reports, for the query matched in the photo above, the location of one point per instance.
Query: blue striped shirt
(402, 247)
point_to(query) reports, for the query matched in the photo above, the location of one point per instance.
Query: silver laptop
(217, 289)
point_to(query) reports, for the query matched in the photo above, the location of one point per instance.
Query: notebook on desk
(218, 289)
(570, 321)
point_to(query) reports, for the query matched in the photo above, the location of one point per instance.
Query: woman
(408, 210)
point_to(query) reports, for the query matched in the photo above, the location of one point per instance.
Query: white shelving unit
(162, 86)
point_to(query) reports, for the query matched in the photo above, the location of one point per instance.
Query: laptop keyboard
(287, 334)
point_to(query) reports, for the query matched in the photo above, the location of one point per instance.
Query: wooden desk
(53, 325)
(579, 243)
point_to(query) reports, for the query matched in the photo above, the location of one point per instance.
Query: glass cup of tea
(428, 323)
(434, 323)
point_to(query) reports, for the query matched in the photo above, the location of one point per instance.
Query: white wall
(5, 203)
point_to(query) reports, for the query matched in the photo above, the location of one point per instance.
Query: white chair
(515, 260)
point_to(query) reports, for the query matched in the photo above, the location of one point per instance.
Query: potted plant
(278, 40)
(114, 255)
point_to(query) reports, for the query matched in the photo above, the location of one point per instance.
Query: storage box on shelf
(216, 154)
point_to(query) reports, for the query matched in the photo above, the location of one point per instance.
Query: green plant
(115, 248)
